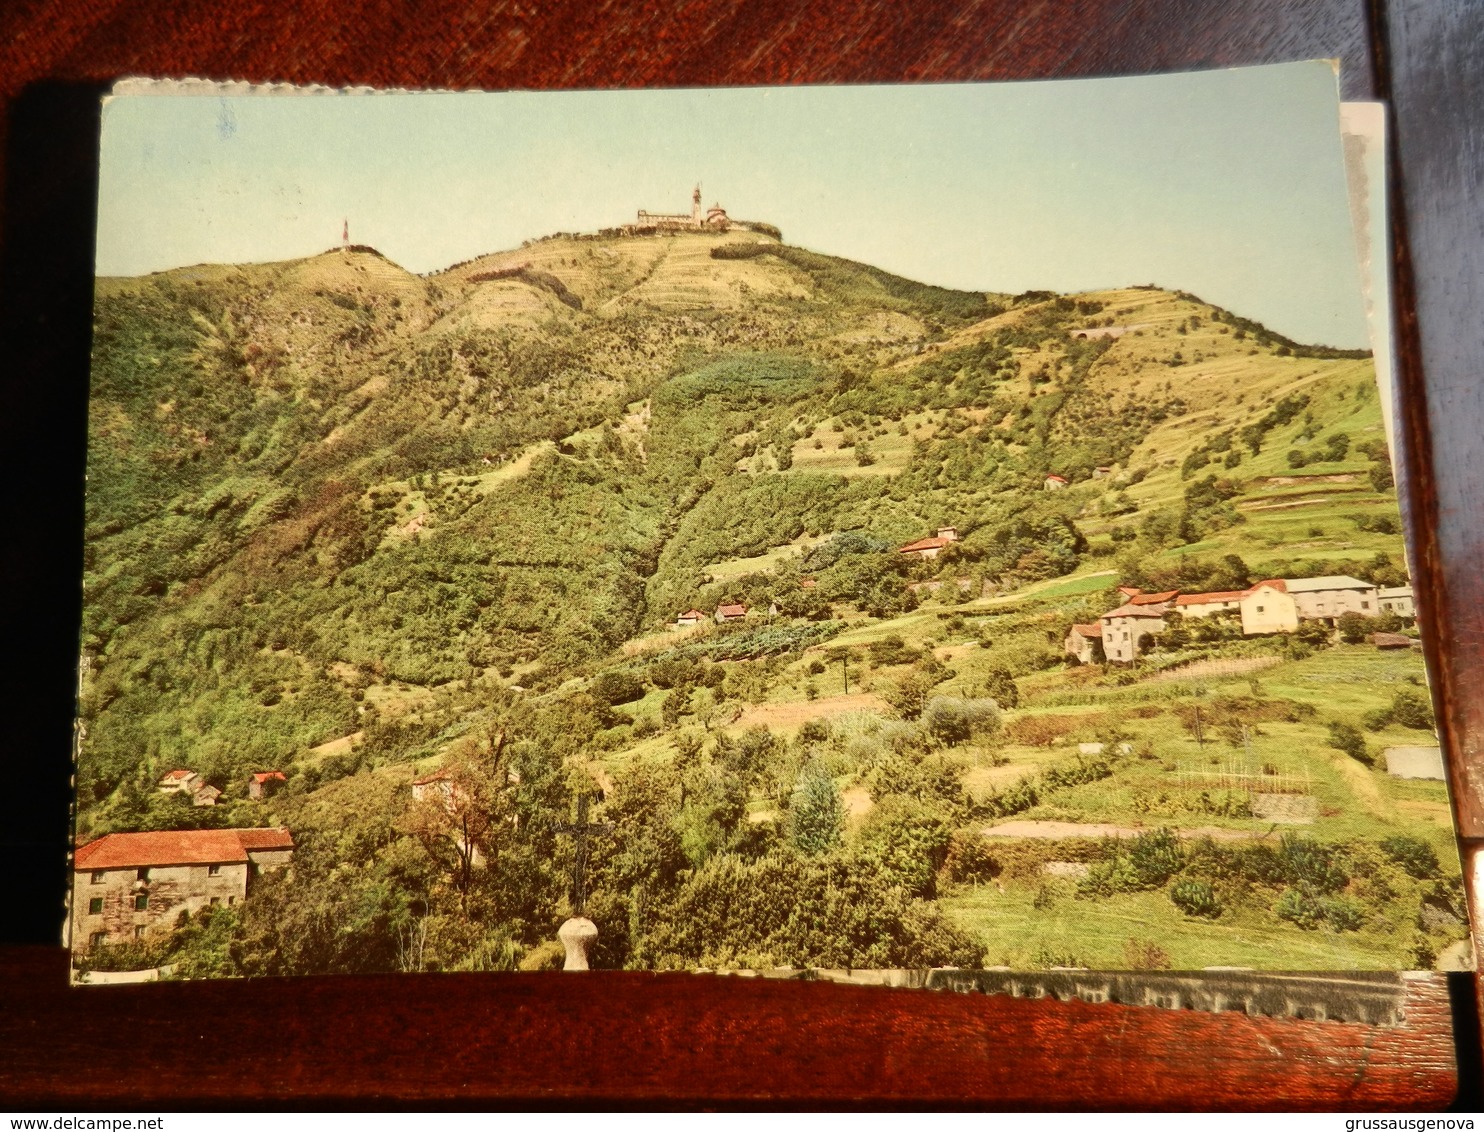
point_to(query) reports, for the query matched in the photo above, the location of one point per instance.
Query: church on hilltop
(714, 219)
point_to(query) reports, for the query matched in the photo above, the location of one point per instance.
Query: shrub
(1156, 856)
(1347, 737)
(1309, 911)
(1149, 862)
(1376, 720)
(614, 687)
(952, 720)
(907, 841)
(1413, 854)
(1411, 709)
(1145, 955)
(969, 860)
(1310, 865)
(1195, 898)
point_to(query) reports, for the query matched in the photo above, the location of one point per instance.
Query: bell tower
(695, 207)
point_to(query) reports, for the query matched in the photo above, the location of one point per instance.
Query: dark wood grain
(637, 1039)
(1433, 74)
(646, 1039)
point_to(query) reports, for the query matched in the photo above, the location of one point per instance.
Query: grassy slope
(389, 370)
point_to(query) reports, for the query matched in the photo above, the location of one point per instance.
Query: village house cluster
(191, 785)
(1275, 605)
(133, 886)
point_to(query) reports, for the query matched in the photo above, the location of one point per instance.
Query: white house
(1328, 597)
(1398, 600)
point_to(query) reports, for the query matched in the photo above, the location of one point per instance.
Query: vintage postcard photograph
(856, 532)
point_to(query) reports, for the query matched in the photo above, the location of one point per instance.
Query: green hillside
(354, 524)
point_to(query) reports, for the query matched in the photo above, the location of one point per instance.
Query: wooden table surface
(636, 1040)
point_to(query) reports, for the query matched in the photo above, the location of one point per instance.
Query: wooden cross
(582, 831)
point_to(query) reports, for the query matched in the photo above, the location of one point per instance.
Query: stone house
(730, 612)
(930, 547)
(1054, 482)
(1125, 628)
(263, 783)
(1083, 641)
(180, 781)
(688, 618)
(128, 886)
(1398, 600)
(1326, 598)
(191, 784)
(1268, 607)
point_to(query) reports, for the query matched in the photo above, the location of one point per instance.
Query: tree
(1354, 627)
(1000, 685)
(907, 696)
(465, 813)
(815, 814)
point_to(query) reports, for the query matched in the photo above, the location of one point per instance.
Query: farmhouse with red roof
(1273, 605)
(128, 886)
(264, 783)
(730, 612)
(929, 547)
(688, 618)
(1055, 482)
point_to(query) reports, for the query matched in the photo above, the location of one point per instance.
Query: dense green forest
(355, 524)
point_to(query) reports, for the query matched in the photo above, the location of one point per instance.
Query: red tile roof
(732, 610)
(692, 613)
(1093, 630)
(178, 847)
(1153, 599)
(1207, 599)
(268, 775)
(1274, 583)
(436, 776)
(1057, 478)
(177, 776)
(1132, 610)
(267, 838)
(934, 543)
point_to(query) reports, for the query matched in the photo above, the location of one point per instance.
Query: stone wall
(168, 891)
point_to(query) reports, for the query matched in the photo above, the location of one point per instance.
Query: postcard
(878, 531)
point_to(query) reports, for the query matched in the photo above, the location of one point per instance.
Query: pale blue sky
(1229, 184)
